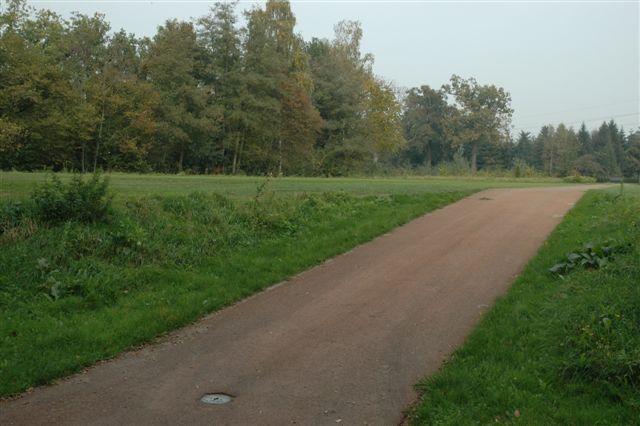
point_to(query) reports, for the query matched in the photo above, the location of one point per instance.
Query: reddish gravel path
(342, 343)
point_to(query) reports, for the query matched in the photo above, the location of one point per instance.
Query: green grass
(74, 293)
(555, 350)
(175, 249)
(19, 184)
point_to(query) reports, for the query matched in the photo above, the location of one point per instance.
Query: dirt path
(342, 343)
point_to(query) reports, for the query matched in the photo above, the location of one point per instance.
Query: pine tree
(584, 140)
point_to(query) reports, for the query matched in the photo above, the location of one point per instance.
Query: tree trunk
(181, 158)
(429, 159)
(82, 159)
(223, 154)
(95, 154)
(224, 143)
(239, 156)
(240, 150)
(280, 157)
(474, 158)
(235, 155)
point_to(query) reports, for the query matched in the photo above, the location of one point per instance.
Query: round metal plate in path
(216, 398)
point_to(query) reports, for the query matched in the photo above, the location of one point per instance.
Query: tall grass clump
(79, 200)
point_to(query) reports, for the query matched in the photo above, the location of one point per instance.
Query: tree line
(213, 96)
(432, 139)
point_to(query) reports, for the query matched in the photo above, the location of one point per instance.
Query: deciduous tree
(483, 114)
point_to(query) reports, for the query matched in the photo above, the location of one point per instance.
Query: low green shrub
(579, 179)
(78, 200)
(16, 222)
(590, 257)
(523, 170)
(11, 214)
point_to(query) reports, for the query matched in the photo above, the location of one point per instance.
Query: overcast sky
(561, 61)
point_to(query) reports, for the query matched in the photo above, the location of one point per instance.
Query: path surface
(342, 343)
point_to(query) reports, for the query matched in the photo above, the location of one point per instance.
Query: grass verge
(555, 350)
(74, 293)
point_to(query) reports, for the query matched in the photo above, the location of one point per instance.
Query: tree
(221, 62)
(128, 108)
(424, 122)
(523, 149)
(482, 114)
(588, 165)
(187, 119)
(604, 149)
(340, 74)
(42, 112)
(567, 147)
(300, 125)
(210, 96)
(550, 154)
(278, 78)
(618, 144)
(632, 163)
(85, 60)
(560, 149)
(383, 120)
(496, 156)
(11, 137)
(584, 140)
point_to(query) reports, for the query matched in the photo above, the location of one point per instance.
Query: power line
(608, 117)
(581, 109)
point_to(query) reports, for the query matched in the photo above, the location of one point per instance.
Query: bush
(590, 166)
(522, 169)
(579, 179)
(78, 200)
(16, 222)
(11, 215)
(459, 166)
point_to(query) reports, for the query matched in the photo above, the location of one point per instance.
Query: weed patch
(590, 257)
(79, 199)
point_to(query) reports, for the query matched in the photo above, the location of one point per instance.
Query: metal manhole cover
(216, 398)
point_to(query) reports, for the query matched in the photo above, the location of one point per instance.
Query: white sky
(563, 61)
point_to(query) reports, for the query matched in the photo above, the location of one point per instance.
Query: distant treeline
(603, 153)
(210, 96)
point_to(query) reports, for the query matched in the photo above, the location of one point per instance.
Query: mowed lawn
(19, 184)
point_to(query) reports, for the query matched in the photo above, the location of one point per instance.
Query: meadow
(172, 249)
(123, 185)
